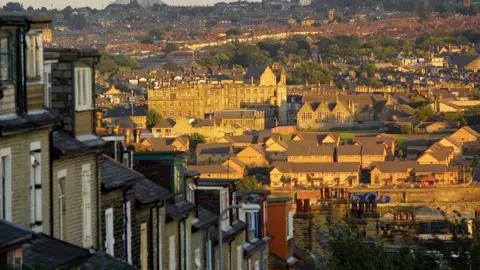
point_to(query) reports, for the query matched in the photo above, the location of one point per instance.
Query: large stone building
(262, 89)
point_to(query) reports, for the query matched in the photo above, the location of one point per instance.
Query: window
(251, 221)
(34, 55)
(160, 242)
(86, 205)
(6, 57)
(47, 75)
(289, 225)
(109, 233)
(224, 205)
(62, 205)
(198, 259)
(143, 247)
(6, 184)
(171, 253)
(128, 233)
(83, 88)
(239, 257)
(36, 186)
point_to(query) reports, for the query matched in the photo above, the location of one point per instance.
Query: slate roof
(287, 167)
(212, 169)
(115, 174)
(463, 60)
(373, 149)
(254, 71)
(404, 166)
(279, 200)
(349, 150)
(165, 123)
(12, 234)
(65, 144)
(46, 252)
(180, 209)
(311, 150)
(242, 139)
(146, 191)
(213, 148)
(253, 245)
(122, 111)
(211, 182)
(232, 231)
(10, 124)
(204, 218)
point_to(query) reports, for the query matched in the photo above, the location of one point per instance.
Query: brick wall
(63, 98)
(19, 145)
(114, 199)
(73, 198)
(7, 103)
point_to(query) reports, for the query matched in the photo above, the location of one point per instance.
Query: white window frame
(47, 82)
(240, 257)
(172, 263)
(224, 203)
(109, 232)
(289, 225)
(83, 88)
(257, 265)
(34, 43)
(251, 222)
(128, 233)
(6, 184)
(87, 205)
(36, 203)
(198, 258)
(62, 174)
(160, 242)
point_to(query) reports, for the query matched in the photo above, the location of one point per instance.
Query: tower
(331, 15)
(467, 3)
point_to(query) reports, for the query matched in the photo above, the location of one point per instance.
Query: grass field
(348, 135)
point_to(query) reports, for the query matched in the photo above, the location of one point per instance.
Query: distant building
(47, 35)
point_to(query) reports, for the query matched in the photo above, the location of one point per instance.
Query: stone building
(261, 89)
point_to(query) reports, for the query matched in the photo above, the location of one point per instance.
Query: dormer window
(83, 88)
(34, 45)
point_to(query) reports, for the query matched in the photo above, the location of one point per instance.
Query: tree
(79, 21)
(106, 65)
(13, 7)
(422, 10)
(309, 72)
(153, 118)
(232, 32)
(170, 47)
(406, 129)
(157, 33)
(248, 183)
(283, 179)
(400, 153)
(424, 114)
(369, 69)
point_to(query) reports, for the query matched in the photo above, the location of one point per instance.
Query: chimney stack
(99, 117)
(137, 135)
(306, 206)
(128, 134)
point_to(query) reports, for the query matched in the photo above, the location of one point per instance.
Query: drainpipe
(182, 220)
(151, 233)
(19, 80)
(97, 178)
(185, 244)
(125, 222)
(158, 226)
(50, 168)
(24, 97)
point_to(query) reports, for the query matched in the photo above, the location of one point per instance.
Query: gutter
(50, 168)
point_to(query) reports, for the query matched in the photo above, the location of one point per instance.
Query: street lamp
(247, 208)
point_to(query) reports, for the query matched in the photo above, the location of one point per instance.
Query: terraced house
(25, 126)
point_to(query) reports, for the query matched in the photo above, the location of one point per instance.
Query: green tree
(406, 129)
(309, 72)
(248, 183)
(157, 33)
(107, 65)
(153, 118)
(79, 21)
(232, 32)
(369, 69)
(170, 47)
(424, 114)
(400, 153)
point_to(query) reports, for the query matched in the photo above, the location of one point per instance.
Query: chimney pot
(137, 135)
(128, 134)
(299, 205)
(306, 206)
